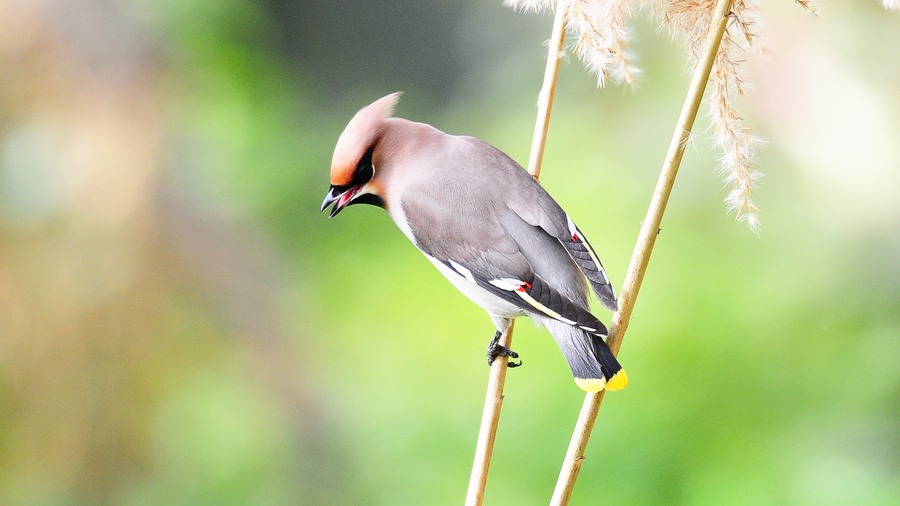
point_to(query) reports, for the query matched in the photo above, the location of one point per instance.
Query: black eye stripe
(364, 170)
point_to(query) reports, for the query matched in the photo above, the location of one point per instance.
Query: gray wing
(511, 185)
(476, 235)
(540, 210)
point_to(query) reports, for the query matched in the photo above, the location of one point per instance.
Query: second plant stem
(644, 246)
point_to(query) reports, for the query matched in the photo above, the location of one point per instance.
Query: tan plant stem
(494, 399)
(548, 90)
(641, 256)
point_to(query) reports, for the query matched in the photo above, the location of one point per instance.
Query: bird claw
(495, 349)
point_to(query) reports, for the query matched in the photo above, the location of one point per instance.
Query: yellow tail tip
(618, 381)
(590, 384)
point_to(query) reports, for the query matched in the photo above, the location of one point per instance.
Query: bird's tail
(592, 362)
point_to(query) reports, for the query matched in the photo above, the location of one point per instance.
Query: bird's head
(354, 176)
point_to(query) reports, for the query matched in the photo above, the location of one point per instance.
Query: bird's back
(473, 203)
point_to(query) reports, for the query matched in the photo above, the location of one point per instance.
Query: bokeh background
(180, 325)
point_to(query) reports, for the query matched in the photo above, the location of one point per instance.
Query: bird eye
(365, 170)
(364, 173)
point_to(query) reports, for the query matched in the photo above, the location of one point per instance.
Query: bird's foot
(495, 349)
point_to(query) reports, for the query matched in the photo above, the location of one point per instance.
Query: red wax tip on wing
(524, 286)
(575, 238)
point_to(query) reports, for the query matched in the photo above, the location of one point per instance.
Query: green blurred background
(180, 325)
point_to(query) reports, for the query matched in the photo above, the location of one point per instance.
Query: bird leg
(495, 349)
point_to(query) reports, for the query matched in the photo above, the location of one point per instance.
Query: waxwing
(486, 225)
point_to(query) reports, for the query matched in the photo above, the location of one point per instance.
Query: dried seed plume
(601, 34)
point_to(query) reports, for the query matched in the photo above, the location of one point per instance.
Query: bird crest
(361, 133)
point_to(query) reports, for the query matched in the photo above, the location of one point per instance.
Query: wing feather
(542, 211)
(534, 295)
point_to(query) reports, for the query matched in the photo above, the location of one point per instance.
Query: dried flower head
(736, 142)
(600, 33)
(529, 5)
(601, 38)
(601, 42)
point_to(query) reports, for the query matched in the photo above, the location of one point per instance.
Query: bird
(487, 226)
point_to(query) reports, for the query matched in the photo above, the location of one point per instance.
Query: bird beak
(340, 197)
